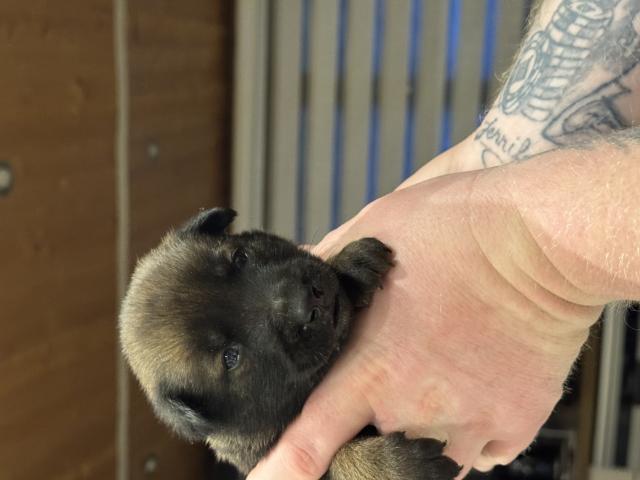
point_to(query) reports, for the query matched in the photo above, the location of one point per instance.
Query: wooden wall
(57, 230)
(180, 73)
(58, 224)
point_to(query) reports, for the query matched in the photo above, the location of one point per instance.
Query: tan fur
(360, 459)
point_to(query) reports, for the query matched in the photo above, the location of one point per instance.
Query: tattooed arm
(499, 275)
(576, 77)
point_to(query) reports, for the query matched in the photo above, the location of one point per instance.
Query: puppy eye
(240, 257)
(231, 357)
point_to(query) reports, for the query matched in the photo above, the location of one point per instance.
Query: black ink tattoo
(582, 37)
(619, 48)
(552, 58)
(497, 144)
(595, 113)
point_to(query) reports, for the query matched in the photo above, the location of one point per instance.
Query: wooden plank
(431, 82)
(357, 105)
(57, 348)
(123, 222)
(180, 76)
(509, 35)
(322, 94)
(394, 89)
(468, 81)
(285, 117)
(249, 107)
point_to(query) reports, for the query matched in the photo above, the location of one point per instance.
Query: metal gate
(337, 101)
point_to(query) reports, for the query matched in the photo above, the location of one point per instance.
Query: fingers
(333, 241)
(337, 239)
(498, 453)
(332, 416)
(464, 449)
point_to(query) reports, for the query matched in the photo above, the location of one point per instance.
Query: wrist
(580, 206)
(462, 157)
(501, 139)
(542, 291)
(497, 141)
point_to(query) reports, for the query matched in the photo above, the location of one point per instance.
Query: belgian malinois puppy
(228, 335)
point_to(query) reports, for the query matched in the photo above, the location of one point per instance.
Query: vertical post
(357, 105)
(322, 97)
(394, 91)
(284, 116)
(509, 36)
(633, 452)
(610, 384)
(431, 81)
(249, 112)
(120, 35)
(466, 88)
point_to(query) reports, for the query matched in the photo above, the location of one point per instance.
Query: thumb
(334, 414)
(501, 453)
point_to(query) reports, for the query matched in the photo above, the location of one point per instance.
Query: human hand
(459, 345)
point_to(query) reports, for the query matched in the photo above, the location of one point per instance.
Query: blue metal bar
(415, 35)
(374, 121)
(453, 39)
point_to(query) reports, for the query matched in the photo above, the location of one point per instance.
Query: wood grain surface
(57, 230)
(58, 223)
(180, 73)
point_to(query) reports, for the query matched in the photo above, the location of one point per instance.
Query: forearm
(576, 77)
(566, 222)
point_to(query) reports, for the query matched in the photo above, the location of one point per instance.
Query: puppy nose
(300, 304)
(306, 307)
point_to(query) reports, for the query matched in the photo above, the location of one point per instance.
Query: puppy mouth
(329, 314)
(330, 338)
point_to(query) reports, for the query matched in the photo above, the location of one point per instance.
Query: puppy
(229, 334)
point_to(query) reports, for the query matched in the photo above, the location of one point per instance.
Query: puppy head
(229, 333)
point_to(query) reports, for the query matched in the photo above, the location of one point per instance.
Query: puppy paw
(420, 458)
(392, 457)
(361, 266)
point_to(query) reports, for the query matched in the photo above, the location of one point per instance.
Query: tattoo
(618, 49)
(552, 58)
(595, 113)
(543, 86)
(497, 144)
(621, 139)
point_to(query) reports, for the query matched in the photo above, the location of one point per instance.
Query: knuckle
(301, 458)
(500, 453)
(483, 466)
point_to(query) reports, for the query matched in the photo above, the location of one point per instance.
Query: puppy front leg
(360, 266)
(392, 457)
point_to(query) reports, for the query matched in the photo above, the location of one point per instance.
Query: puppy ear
(209, 222)
(189, 414)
